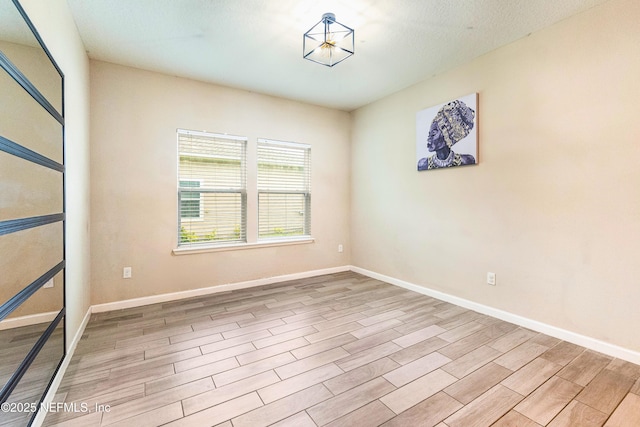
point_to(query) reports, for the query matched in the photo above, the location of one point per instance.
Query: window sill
(240, 246)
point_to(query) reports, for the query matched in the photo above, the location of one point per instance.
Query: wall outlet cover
(491, 279)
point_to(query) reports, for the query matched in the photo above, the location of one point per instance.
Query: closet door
(32, 217)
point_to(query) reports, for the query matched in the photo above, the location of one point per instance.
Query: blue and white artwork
(447, 134)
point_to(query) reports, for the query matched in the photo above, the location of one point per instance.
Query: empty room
(300, 213)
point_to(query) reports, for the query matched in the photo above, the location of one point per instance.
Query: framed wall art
(447, 134)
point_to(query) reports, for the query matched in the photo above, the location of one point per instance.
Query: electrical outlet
(491, 279)
(49, 284)
(340, 248)
(126, 273)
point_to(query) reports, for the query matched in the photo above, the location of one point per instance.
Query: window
(190, 201)
(215, 165)
(212, 192)
(284, 189)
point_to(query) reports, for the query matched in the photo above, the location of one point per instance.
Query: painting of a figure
(441, 127)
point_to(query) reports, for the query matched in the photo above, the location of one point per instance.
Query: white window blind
(284, 189)
(212, 196)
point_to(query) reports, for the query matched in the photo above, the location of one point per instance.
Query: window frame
(306, 230)
(250, 200)
(189, 245)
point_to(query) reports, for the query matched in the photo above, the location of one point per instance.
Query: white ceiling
(256, 45)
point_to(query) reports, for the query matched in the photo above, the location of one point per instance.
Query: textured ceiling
(256, 45)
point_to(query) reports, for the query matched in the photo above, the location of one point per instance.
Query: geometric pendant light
(328, 42)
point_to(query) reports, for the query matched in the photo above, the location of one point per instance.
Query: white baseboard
(55, 383)
(563, 334)
(154, 299)
(32, 319)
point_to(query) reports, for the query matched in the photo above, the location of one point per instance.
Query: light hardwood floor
(336, 350)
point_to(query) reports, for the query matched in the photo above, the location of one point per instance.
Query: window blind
(284, 189)
(212, 196)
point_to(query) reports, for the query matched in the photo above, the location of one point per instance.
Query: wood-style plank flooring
(335, 350)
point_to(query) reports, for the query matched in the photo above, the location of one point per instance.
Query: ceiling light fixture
(328, 42)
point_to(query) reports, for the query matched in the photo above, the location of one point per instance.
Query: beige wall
(55, 25)
(553, 208)
(134, 116)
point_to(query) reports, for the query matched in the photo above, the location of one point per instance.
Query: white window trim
(211, 134)
(182, 250)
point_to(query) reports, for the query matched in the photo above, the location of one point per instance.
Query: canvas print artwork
(447, 134)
